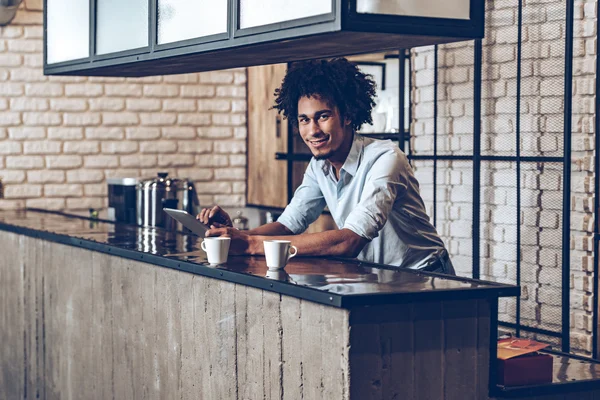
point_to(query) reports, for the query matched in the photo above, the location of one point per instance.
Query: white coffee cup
(278, 252)
(217, 249)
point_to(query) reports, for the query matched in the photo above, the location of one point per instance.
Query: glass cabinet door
(183, 19)
(254, 13)
(121, 25)
(454, 9)
(67, 30)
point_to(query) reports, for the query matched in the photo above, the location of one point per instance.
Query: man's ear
(347, 121)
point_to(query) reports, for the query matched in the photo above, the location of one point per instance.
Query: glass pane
(455, 9)
(121, 25)
(498, 230)
(543, 85)
(454, 212)
(423, 170)
(264, 12)
(182, 19)
(68, 30)
(498, 93)
(385, 113)
(423, 96)
(455, 100)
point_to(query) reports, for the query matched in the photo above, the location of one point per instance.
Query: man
(368, 185)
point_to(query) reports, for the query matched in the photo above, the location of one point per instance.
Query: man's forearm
(271, 229)
(339, 242)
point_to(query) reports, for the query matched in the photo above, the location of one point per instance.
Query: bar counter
(336, 282)
(91, 308)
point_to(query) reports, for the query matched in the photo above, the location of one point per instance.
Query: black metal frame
(341, 18)
(233, 38)
(427, 25)
(565, 160)
(278, 26)
(596, 206)
(376, 64)
(217, 37)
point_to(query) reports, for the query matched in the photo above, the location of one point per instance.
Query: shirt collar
(352, 160)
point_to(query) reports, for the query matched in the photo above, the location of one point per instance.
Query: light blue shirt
(376, 197)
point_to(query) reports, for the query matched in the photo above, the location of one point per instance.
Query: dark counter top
(337, 282)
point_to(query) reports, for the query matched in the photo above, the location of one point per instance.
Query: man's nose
(314, 127)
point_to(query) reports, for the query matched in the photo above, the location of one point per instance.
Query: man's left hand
(240, 242)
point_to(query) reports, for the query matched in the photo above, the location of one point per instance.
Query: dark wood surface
(267, 135)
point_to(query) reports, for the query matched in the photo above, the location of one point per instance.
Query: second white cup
(278, 252)
(217, 249)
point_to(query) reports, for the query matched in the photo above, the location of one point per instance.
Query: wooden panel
(267, 135)
(291, 325)
(417, 351)
(335, 340)
(366, 363)
(312, 362)
(11, 317)
(249, 341)
(483, 344)
(272, 342)
(398, 357)
(220, 321)
(57, 351)
(74, 321)
(429, 355)
(101, 340)
(460, 350)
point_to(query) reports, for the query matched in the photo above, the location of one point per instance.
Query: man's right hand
(214, 217)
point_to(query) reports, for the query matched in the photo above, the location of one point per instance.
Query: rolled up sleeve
(306, 205)
(387, 180)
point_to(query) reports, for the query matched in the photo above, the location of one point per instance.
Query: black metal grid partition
(493, 156)
(490, 140)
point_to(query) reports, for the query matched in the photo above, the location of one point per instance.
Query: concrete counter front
(90, 309)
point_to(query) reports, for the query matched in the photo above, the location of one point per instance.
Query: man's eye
(324, 116)
(303, 120)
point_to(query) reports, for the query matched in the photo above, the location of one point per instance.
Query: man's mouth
(316, 143)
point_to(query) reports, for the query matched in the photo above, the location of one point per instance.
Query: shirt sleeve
(306, 205)
(386, 181)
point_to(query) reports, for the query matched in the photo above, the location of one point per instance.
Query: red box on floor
(519, 362)
(528, 369)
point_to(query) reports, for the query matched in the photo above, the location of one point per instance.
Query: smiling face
(323, 129)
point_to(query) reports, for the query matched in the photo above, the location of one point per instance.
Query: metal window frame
(279, 26)
(477, 158)
(234, 37)
(453, 28)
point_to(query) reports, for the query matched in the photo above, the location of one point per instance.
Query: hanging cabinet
(156, 37)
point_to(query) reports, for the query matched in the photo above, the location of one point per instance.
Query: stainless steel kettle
(163, 192)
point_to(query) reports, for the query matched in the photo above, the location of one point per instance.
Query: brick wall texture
(62, 137)
(541, 125)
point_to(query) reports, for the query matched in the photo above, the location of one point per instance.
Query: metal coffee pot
(163, 192)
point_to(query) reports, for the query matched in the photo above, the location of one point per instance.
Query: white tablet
(188, 220)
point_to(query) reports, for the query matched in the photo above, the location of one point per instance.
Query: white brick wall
(61, 137)
(541, 121)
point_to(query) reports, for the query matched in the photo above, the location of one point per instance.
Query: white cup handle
(294, 253)
(203, 245)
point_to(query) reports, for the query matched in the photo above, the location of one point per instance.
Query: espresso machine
(160, 192)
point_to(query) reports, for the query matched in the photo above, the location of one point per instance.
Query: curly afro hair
(337, 81)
